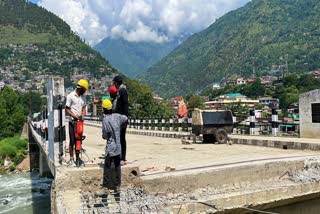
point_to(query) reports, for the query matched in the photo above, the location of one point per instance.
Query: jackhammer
(78, 126)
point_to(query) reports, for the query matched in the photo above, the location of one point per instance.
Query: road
(155, 154)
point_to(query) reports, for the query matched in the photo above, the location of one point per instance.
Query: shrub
(12, 168)
(8, 150)
(2, 170)
(18, 158)
(16, 142)
(13, 147)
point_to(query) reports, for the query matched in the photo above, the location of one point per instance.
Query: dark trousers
(72, 140)
(71, 134)
(123, 143)
(111, 172)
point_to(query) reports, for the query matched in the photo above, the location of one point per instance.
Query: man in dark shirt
(122, 108)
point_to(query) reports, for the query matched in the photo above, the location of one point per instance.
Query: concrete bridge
(165, 175)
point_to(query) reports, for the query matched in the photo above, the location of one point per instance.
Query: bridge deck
(153, 155)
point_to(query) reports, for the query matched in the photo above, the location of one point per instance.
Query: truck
(213, 125)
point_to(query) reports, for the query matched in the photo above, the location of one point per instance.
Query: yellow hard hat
(107, 104)
(83, 83)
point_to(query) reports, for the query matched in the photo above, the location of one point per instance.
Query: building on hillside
(241, 81)
(158, 98)
(2, 84)
(309, 113)
(269, 102)
(235, 98)
(268, 79)
(216, 86)
(316, 74)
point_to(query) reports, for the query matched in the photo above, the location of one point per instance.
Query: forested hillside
(133, 58)
(262, 36)
(35, 41)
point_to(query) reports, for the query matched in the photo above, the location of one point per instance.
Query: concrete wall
(307, 128)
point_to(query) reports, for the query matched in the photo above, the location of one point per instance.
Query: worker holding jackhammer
(111, 126)
(76, 108)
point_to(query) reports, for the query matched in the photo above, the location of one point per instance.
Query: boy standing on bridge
(76, 108)
(111, 126)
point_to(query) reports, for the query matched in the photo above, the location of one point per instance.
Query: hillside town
(23, 75)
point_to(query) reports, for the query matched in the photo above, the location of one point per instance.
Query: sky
(138, 20)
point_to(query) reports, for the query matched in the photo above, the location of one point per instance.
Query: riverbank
(14, 156)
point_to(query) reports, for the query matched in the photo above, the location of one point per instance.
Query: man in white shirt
(76, 108)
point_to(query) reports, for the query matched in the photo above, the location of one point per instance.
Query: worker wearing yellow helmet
(111, 126)
(76, 108)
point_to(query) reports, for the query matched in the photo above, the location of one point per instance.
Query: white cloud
(139, 20)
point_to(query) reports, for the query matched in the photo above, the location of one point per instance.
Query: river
(25, 193)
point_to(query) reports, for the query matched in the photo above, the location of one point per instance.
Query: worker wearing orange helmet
(76, 108)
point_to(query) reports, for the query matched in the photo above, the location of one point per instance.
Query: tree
(195, 102)
(142, 103)
(254, 89)
(11, 113)
(32, 102)
(238, 110)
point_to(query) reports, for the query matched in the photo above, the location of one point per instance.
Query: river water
(24, 193)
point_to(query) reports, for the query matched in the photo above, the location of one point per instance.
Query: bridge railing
(154, 123)
(272, 125)
(39, 126)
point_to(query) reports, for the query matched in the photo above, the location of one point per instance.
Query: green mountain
(133, 58)
(260, 36)
(36, 42)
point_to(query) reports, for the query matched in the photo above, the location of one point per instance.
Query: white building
(309, 113)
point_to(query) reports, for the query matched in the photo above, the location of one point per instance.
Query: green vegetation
(12, 115)
(14, 148)
(13, 110)
(32, 102)
(288, 93)
(133, 58)
(195, 102)
(141, 102)
(37, 41)
(12, 35)
(263, 34)
(24, 22)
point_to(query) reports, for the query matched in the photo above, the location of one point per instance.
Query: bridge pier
(44, 169)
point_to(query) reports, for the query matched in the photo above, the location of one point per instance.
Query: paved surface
(282, 139)
(155, 154)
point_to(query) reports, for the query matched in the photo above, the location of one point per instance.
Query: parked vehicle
(214, 125)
